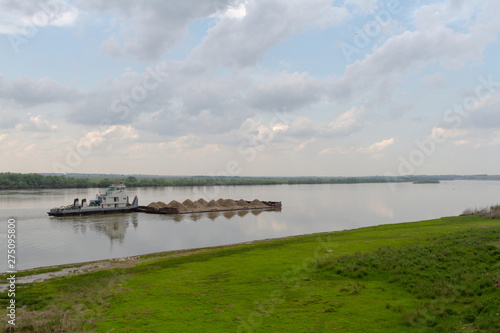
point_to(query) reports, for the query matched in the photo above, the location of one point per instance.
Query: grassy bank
(429, 276)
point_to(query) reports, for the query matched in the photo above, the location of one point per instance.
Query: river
(44, 241)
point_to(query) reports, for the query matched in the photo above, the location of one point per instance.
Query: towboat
(114, 200)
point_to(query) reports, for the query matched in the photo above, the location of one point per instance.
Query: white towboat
(114, 200)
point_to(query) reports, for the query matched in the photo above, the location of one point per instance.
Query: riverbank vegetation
(430, 276)
(37, 181)
(492, 212)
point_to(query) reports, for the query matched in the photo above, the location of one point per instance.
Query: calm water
(44, 240)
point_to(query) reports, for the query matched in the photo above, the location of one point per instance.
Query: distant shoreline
(13, 181)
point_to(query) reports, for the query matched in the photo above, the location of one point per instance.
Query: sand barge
(201, 205)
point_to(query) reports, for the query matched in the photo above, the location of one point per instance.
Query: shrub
(493, 212)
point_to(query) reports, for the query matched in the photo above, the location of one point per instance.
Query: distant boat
(114, 200)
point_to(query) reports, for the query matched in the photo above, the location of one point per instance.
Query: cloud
(147, 30)
(335, 151)
(363, 6)
(116, 138)
(447, 46)
(448, 133)
(243, 42)
(36, 124)
(434, 81)
(349, 121)
(475, 111)
(8, 120)
(237, 10)
(121, 100)
(293, 91)
(28, 92)
(377, 147)
(344, 124)
(26, 17)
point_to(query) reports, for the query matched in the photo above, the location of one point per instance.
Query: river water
(44, 240)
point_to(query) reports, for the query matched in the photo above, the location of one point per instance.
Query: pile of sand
(228, 204)
(257, 204)
(175, 204)
(153, 205)
(202, 205)
(178, 205)
(157, 205)
(213, 204)
(191, 206)
(202, 202)
(221, 202)
(242, 203)
(232, 204)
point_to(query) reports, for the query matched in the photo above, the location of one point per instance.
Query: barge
(202, 206)
(114, 200)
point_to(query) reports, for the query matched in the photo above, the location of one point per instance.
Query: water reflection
(214, 215)
(114, 226)
(381, 208)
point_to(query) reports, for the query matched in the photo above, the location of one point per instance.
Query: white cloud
(448, 133)
(434, 81)
(243, 42)
(28, 92)
(385, 67)
(377, 147)
(292, 91)
(344, 124)
(363, 6)
(147, 30)
(349, 121)
(335, 151)
(303, 144)
(36, 124)
(116, 138)
(26, 17)
(238, 11)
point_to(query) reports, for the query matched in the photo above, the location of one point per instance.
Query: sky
(250, 88)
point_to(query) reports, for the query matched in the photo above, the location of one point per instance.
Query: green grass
(429, 276)
(452, 276)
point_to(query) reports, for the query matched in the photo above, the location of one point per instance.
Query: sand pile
(178, 205)
(191, 206)
(242, 203)
(201, 205)
(202, 202)
(221, 202)
(213, 204)
(232, 204)
(257, 203)
(175, 204)
(153, 205)
(227, 204)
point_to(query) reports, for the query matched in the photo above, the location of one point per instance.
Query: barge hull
(93, 212)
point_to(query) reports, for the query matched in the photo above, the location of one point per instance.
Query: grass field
(429, 276)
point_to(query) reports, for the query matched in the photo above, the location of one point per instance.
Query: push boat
(114, 200)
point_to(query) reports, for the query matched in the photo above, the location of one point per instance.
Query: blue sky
(250, 88)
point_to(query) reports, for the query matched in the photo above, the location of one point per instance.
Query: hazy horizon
(275, 88)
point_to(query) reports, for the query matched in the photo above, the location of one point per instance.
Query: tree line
(36, 181)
